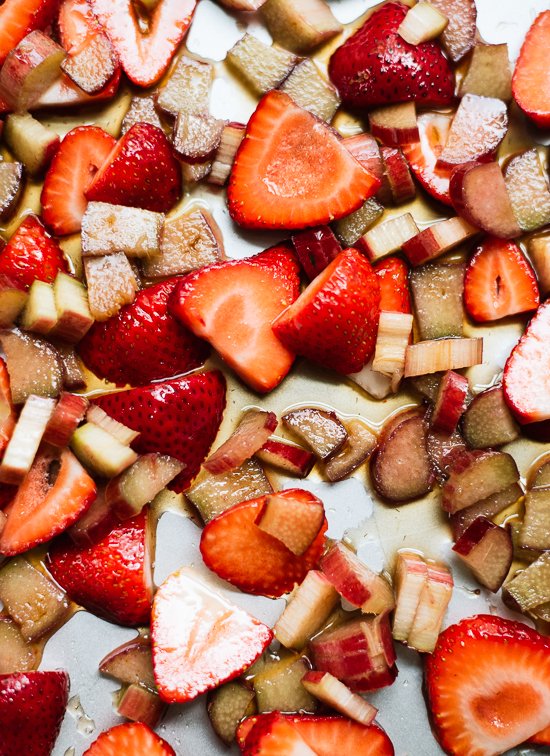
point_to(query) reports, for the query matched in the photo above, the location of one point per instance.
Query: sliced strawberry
(232, 305)
(20, 17)
(531, 80)
(112, 578)
(143, 342)
(80, 155)
(393, 278)
(376, 66)
(140, 171)
(7, 412)
(422, 156)
(196, 651)
(133, 738)
(293, 171)
(76, 24)
(335, 320)
(235, 548)
(32, 254)
(32, 707)
(488, 685)
(180, 418)
(499, 282)
(55, 492)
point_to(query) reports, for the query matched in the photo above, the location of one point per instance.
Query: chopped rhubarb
(250, 435)
(11, 187)
(489, 73)
(294, 522)
(437, 290)
(74, 318)
(475, 475)
(29, 69)
(487, 550)
(67, 415)
(434, 599)
(366, 150)
(25, 440)
(529, 191)
(121, 432)
(112, 283)
(351, 228)
(227, 706)
(395, 124)
(397, 184)
(359, 445)
(388, 237)
(300, 25)
(488, 422)
(263, 67)
(539, 253)
(277, 683)
(529, 588)
(230, 142)
(320, 429)
(442, 354)
(101, 452)
(411, 576)
(32, 143)
(535, 531)
(422, 23)
(316, 248)
(114, 228)
(16, 655)
(311, 90)
(339, 697)
(394, 333)
(438, 239)
(130, 663)
(489, 507)
(138, 485)
(287, 457)
(450, 402)
(141, 705)
(22, 350)
(308, 609)
(196, 137)
(477, 129)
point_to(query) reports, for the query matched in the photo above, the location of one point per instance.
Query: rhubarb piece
(138, 485)
(188, 87)
(358, 447)
(394, 333)
(307, 611)
(243, 5)
(25, 440)
(8, 416)
(351, 228)
(411, 576)
(140, 705)
(278, 685)
(63, 93)
(12, 300)
(227, 706)
(316, 249)
(231, 139)
(121, 432)
(487, 550)
(460, 35)
(541, 476)
(528, 188)
(22, 350)
(130, 663)
(249, 436)
(530, 79)
(192, 174)
(437, 292)
(111, 283)
(107, 229)
(300, 26)
(140, 110)
(34, 602)
(388, 237)
(489, 73)
(439, 238)
(373, 382)
(339, 697)
(488, 422)
(311, 90)
(74, 318)
(434, 599)
(16, 655)
(196, 138)
(31, 143)
(395, 124)
(443, 448)
(289, 458)
(320, 429)
(94, 524)
(529, 588)
(535, 532)
(489, 507)
(11, 186)
(67, 415)
(262, 67)
(514, 527)
(29, 69)
(397, 184)
(93, 66)
(475, 475)
(366, 150)
(450, 402)
(539, 253)
(294, 522)
(427, 385)
(422, 155)
(442, 354)
(479, 126)
(73, 375)
(422, 23)
(40, 313)
(101, 452)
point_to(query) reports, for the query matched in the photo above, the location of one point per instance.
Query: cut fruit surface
(475, 475)
(423, 155)
(528, 189)
(321, 430)
(450, 402)
(131, 737)
(250, 435)
(436, 355)
(294, 522)
(487, 422)
(439, 238)
(31, 254)
(479, 126)
(335, 694)
(530, 83)
(488, 552)
(300, 26)
(227, 706)
(489, 73)
(307, 611)
(411, 575)
(288, 457)
(460, 34)
(489, 507)
(130, 663)
(437, 290)
(434, 599)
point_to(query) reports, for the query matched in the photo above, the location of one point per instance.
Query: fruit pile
(123, 321)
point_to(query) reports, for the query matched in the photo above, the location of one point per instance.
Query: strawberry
(393, 278)
(335, 320)
(143, 342)
(112, 578)
(422, 156)
(232, 305)
(180, 417)
(293, 171)
(32, 707)
(488, 685)
(32, 254)
(235, 548)
(140, 171)
(145, 56)
(499, 282)
(7, 412)
(76, 24)
(54, 494)
(81, 153)
(531, 80)
(376, 66)
(133, 738)
(196, 651)
(20, 17)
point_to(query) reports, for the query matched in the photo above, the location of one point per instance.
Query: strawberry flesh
(423, 155)
(130, 738)
(393, 278)
(531, 80)
(7, 412)
(20, 17)
(32, 254)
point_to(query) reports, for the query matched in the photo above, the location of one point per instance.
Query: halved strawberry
(133, 738)
(423, 155)
(488, 685)
(143, 342)
(81, 153)
(7, 412)
(139, 171)
(20, 17)
(32, 254)
(293, 171)
(335, 320)
(235, 548)
(76, 23)
(393, 278)
(531, 80)
(53, 495)
(499, 282)
(112, 578)
(232, 305)
(195, 651)
(180, 418)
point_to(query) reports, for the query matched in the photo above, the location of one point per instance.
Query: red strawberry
(335, 320)
(133, 738)
(7, 412)
(76, 24)
(393, 277)
(143, 342)
(196, 651)
(526, 381)
(145, 56)
(376, 66)
(81, 153)
(54, 494)
(531, 80)
(32, 254)
(293, 171)
(32, 707)
(423, 155)
(488, 685)
(499, 282)
(232, 305)
(20, 17)
(112, 578)
(140, 171)
(180, 417)
(235, 548)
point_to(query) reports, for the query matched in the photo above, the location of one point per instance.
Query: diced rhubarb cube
(141, 705)
(475, 475)
(29, 69)
(351, 228)
(488, 422)
(527, 185)
(288, 457)
(121, 432)
(138, 485)
(535, 531)
(316, 248)
(442, 354)
(141, 110)
(338, 696)
(16, 655)
(12, 181)
(300, 25)
(488, 552)
(40, 312)
(74, 318)
(437, 290)
(67, 415)
(93, 66)
(321, 430)
(394, 333)
(263, 67)
(311, 90)
(32, 143)
(294, 522)
(130, 663)
(111, 282)
(25, 440)
(539, 252)
(422, 23)
(411, 575)
(277, 683)
(397, 183)
(114, 228)
(100, 451)
(188, 87)
(477, 129)
(489, 73)
(450, 402)
(232, 136)
(529, 588)
(437, 239)
(22, 350)
(488, 507)
(196, 137)
(434, 599)
(249, 436)
(227, 706)
(395, 124)
(360, 444)
(306, 612)
(388, 237)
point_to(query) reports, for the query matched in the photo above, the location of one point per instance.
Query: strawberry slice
(112, 578)
(335, 320)
(140, 171)
(145, 55)
(180, 418)
(393, 278)
(7, 412)
(293, 171)
(32, 254)
(143, 342)
(499, 282)
(422, 156)
(376, 66)
(488, 685)
(80, 155)
(531, 80)
(32, 707)
(237, 550)
(54, 494)
(133, 738)
(232, 305)
(76, 24)
(196, 651)
(20, 17)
